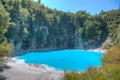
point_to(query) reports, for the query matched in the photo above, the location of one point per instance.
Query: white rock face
(78, 43)
(19, 45)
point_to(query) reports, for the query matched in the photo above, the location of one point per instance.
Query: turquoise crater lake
(78, 60)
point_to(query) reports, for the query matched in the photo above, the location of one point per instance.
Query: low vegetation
(5, 50)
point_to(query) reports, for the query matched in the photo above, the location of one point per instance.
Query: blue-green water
(78, 60)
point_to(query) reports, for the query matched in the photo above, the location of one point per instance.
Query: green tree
(89, 29)
(5, 50)
(4, 21)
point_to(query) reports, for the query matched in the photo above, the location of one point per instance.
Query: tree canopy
(5, 48)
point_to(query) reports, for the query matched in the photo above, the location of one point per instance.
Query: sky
(91, 6)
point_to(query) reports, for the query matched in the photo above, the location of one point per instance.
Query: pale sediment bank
(18, 70)
(98, 50)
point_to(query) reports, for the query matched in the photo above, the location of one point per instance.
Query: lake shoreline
(98, 50)
(29, 71)
(19, 52)
(19, 70)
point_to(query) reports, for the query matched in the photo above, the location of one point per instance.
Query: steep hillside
(34, 26)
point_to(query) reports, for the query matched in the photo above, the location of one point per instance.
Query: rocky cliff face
(44, 38)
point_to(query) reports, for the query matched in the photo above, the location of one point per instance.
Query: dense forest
(31, 25)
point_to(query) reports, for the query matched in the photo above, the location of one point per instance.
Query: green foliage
(89, 29)
(90, 74)
(72, 76)
(112, 71)
(4, 20)
(25, 34)
(112, 18)
(116, 35)
(111, 63)
(80, 17)
(5, 50)
(112, 56)
(24, 14)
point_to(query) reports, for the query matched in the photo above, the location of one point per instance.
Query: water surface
(78, 60)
